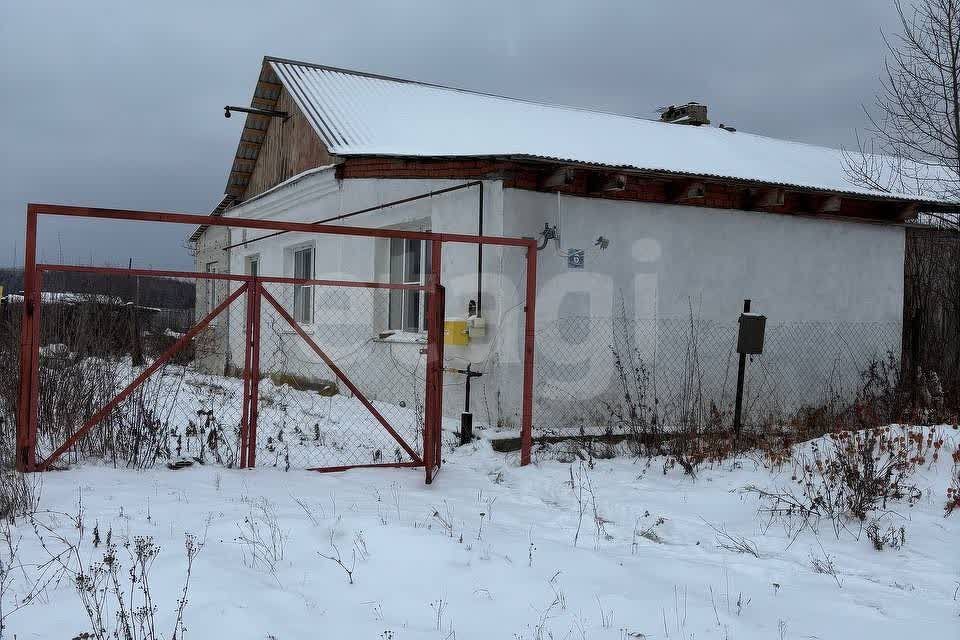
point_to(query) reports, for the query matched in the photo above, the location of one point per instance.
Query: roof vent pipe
(692, 113)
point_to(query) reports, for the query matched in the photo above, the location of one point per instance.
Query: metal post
(433, 401)
(526, 426)
(466, 418)
(741, 370)
(245, 416)
(438, 399)
(28, 347)
(255, 289)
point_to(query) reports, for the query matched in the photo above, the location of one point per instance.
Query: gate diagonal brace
(341, 375)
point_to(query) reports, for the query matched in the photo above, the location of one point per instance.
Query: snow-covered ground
(488, 551)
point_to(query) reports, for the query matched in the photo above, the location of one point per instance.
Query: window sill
(287, 330)
(402, 337)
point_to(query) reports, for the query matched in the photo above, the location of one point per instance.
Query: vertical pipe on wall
(480, 250)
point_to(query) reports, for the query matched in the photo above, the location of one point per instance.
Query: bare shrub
(103, 586)
(953, 491)
(19, 494)
(892, 537)
(733, 542)
(825, 565)
(262, 539)
(851, 476)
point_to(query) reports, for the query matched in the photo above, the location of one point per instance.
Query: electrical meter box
(476, 327)
(750, 336)
(456, 332)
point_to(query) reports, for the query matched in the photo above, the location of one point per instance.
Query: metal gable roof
(224, 204)
(363, 114)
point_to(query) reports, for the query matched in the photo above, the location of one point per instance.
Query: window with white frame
(253, 265)
(409, 264)
(211, 267)
(303, 294)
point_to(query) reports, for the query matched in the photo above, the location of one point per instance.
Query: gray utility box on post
(750, 337)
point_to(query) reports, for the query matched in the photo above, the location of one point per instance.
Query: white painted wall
(663, 261)
(211, 346)
(348, 321)
(666, 263)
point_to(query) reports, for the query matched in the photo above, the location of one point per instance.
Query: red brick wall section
(639, 188)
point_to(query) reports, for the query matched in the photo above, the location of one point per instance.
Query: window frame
(211, 297)
(404, 274)
(303, 311)
(253, 265)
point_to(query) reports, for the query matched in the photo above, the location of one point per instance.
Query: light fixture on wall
(257, 112)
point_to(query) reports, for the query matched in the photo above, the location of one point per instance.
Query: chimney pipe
(692, 113)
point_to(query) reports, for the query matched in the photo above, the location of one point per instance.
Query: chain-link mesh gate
(245, 385)
(331, 395)
(113, 379)
(275, 371)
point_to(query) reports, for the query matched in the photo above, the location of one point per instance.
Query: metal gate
(297, 391)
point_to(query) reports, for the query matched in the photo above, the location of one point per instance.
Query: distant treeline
(165, 293)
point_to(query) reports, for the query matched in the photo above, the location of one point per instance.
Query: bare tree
(914, 143)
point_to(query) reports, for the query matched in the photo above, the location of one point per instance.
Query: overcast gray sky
(115, 104)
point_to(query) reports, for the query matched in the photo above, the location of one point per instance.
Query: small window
(211, 285)
(303, 294)
(253, 265)
(409, 264)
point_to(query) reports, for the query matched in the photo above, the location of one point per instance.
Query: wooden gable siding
(288, 148)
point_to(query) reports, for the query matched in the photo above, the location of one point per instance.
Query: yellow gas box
(455, 332)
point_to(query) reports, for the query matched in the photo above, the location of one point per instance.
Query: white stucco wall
(211, 345)
(832, 292)
(348, 321)
(665, 263)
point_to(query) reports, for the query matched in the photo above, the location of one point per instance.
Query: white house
(649, 228)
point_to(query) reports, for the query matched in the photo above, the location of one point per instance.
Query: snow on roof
(224, 204)
(362, 114)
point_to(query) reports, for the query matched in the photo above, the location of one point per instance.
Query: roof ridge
(488, 94)
(554, 105)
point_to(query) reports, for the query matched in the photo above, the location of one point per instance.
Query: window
(303, 294)
(211, 287)
(253, 265)
(409, 264)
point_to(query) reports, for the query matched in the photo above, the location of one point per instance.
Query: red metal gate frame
(27, 413)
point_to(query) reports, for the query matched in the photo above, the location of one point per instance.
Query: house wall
(819, 282)
(212, 345)
(349, 320)
(665, 265)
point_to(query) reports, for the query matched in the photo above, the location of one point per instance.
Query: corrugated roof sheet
(224, 204)
(362, 114)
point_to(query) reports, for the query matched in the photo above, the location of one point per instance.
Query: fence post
(255, 289)
(529, 336)
(438, 412)
(741, 370)
(28, 349)
(433, 402)
(245, 412)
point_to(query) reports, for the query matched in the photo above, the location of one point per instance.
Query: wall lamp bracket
(259, 112)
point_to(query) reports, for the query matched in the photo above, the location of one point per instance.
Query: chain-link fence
(323, 390)
(356, 401)
(603, 375)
